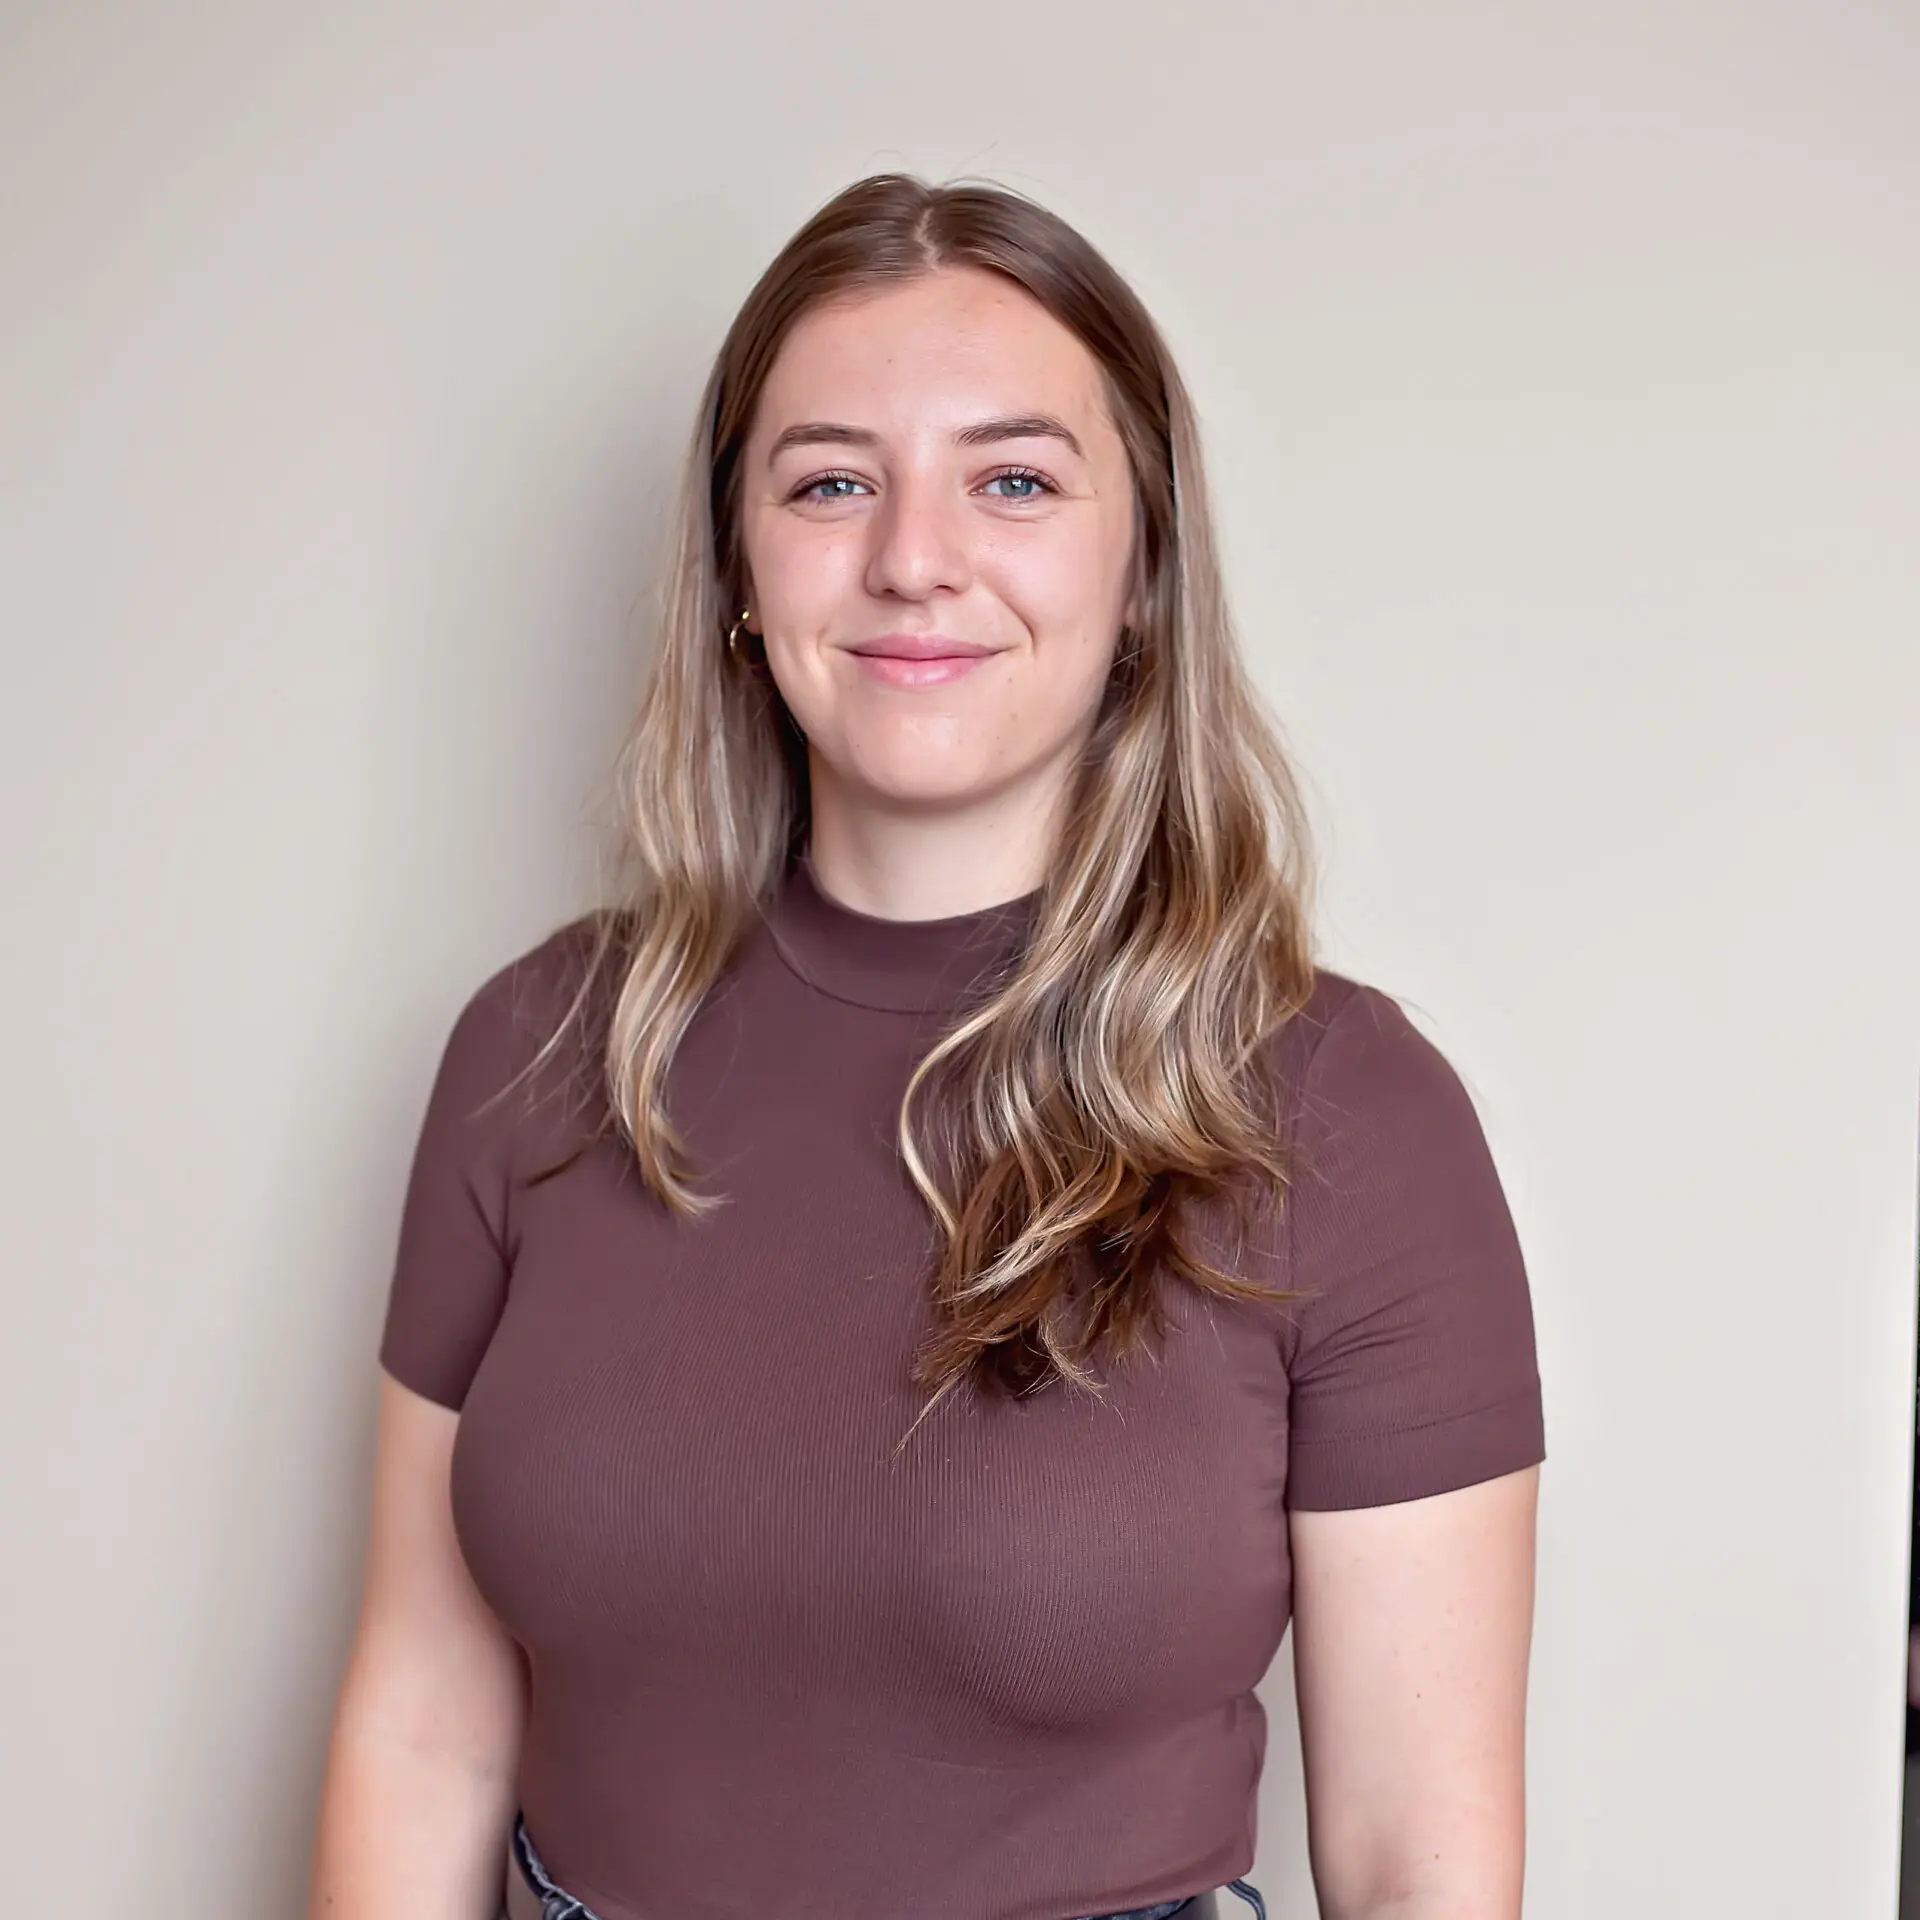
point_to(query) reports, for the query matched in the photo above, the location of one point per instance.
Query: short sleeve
(448, 1286)
(1411, 1358)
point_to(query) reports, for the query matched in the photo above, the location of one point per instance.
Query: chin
(924, 795)
(923, 781)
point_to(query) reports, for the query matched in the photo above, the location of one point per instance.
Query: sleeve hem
(1379, 1470)
(424, 1383)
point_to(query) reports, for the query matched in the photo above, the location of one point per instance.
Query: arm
(419, 1791)
(1412, 1628)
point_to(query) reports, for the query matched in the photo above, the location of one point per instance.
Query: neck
(903, 864)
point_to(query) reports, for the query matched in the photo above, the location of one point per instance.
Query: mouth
(919, 659)
(919, 646)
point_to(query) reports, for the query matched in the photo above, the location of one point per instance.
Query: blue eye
(1026, 475)
(811, 489)
(824, 487)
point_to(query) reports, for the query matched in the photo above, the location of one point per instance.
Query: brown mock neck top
(1005, 1673)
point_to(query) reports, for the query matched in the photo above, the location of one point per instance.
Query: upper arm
(453, 1261)
(427, 1732)
(1415, 1437)
(431, 1666)
(1412, 1624)
(433, 1671)
(1411, 1357)
(421, 1769)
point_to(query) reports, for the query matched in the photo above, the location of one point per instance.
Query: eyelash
(1002, 473)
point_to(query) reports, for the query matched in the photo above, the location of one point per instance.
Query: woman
(927, 1284)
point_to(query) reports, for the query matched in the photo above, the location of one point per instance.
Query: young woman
(894, 1314)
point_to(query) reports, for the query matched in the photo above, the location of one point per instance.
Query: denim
(557, 1904)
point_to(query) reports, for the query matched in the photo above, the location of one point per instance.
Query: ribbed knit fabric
(1006, 1673)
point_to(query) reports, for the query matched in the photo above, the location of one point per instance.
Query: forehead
(950, 346)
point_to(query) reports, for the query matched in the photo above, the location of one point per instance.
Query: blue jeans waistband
(558, 1904)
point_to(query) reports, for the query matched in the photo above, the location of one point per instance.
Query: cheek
(798, 569)
(1068, 593)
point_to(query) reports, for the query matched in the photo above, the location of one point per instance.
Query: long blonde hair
(1110, 1078)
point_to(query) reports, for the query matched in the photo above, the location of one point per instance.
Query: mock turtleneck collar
(899, 966)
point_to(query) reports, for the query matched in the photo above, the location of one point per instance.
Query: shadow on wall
(1910, 1801)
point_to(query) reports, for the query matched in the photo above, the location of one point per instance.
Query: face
(937, 528)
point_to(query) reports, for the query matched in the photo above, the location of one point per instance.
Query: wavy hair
(1064, 1123)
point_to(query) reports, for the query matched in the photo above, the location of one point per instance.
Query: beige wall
(1559, 368)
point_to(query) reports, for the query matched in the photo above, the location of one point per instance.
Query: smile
(896, 670)
(919, 659)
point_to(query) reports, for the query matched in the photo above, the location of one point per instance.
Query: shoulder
(1352, 1048)
(531, 1022)
(1409, 1337)
(524, 996)
(1377, 1124)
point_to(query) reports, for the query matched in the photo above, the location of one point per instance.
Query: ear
(739, 595)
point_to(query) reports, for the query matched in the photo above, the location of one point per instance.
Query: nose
(920, 539)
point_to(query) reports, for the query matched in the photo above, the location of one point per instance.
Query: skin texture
(1412, 1622)
(936, 799)
(1410, 1641)
(426, 1734)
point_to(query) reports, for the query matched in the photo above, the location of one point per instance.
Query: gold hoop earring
(733, 639)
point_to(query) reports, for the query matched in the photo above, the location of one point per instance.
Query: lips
(919, 646)
(906, 661)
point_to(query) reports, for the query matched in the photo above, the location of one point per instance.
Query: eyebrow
(1012, 426)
